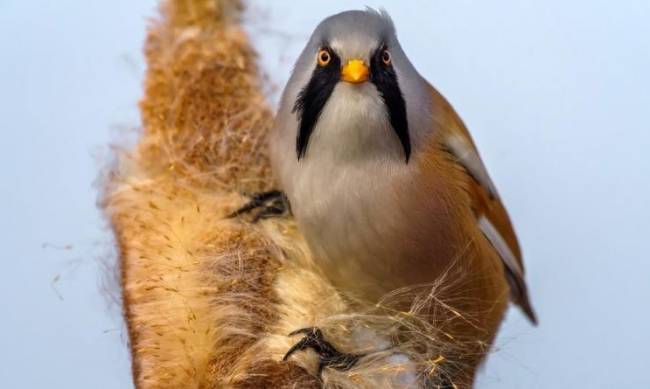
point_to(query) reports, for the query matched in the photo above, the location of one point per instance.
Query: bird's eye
(324, 57)
(386, 58)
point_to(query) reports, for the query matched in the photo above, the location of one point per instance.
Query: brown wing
(491, 216)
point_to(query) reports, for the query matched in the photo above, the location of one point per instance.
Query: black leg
(329, 356)
(264, 205)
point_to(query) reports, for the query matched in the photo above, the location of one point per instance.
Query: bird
(384, 179)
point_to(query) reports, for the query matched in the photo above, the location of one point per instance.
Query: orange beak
(355, 72)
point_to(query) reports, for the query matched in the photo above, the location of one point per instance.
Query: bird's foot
(328, 355)
(264, 205)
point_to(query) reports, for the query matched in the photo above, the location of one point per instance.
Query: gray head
(354, 90)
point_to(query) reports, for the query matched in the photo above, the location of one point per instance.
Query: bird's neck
(354, 126)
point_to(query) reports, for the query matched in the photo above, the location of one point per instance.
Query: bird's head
(354, 88)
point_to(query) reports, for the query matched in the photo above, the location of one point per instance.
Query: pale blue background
(556, 93)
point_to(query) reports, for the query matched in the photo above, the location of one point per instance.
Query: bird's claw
(328, 355)
(266, 204)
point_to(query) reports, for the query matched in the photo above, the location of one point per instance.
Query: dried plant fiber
(209, 301)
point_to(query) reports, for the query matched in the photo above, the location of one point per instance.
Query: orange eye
(386, 58)
(324, 57)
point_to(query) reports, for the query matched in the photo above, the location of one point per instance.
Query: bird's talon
(307, 330)
(328, 355)
(268, 204)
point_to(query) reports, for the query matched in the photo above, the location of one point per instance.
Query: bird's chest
(367, 225)
(342, 211)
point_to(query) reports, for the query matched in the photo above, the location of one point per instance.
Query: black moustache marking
(313, 97)
(385, 79)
